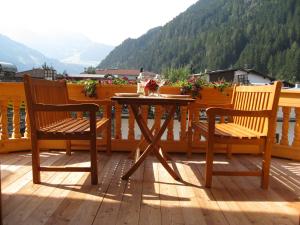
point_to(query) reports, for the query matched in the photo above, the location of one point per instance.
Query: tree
(90, 70)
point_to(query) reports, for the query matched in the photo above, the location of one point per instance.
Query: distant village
(10, 73)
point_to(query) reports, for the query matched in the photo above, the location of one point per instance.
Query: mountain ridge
(74, 48)
(220, 34)
(26, 58)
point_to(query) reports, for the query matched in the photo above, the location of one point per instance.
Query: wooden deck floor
(151, 196)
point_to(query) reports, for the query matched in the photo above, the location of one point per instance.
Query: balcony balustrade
(12, 104)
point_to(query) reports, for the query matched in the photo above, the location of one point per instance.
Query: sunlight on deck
(150, 196)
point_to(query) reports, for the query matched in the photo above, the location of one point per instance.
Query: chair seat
(71, 126)
(228, 130)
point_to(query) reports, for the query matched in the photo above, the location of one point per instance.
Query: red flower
(151, 85)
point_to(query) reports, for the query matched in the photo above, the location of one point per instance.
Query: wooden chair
(251, 120)
(49, 109)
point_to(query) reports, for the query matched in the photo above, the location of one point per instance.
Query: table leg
(134, 153)
(164, 154)
(166, 165)
(152, 140)
(137, 163)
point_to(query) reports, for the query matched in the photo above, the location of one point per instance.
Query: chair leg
(209, 163)
(266, 164)
(94, 168)
(36, 177)
(68, 147)
(229, 151)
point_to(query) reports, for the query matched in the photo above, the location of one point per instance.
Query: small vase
(153, 93)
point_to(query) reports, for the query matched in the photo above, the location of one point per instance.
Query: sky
(108, 22)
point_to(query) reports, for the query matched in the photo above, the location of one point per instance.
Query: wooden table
(152, 139)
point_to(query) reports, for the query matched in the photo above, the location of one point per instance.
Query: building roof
(8, 67)
(86, 76)
(38, 72)
(216, 72)
(124, 72)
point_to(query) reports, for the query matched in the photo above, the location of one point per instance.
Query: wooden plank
(93, 199)
(129, 212)
(11, 163)
(211, 211)
(191, 209)
(57, 195)
(23, 210)
(224, 201)
(231, 199)
(154, 197)
(150, 202)
(74, 184)
(171, 212)
(111, 203)
(23, 167)
(23, 184)
(267, 204)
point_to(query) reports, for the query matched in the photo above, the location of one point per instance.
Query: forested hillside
(219, 34)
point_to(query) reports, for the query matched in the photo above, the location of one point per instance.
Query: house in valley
(240, 76)
(7, 72)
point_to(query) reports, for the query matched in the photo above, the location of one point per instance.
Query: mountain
(220, 34)
(67, 47)
(26, 58)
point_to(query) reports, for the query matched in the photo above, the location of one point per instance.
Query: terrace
(151, 195)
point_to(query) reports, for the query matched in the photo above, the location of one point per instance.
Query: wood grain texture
(49, 109)
(151, 195)
(254, 115)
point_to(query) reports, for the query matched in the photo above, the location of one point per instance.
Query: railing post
(196, 133)
(79, 114)
(105, 114)
(16, 119)
(296, 141)
(131, 125)
(285, 125)
(144, 112)
(4, 129)
(222, 119)
(27, 124)
(118, 109)
(157, 117)
(183, 113)
(170, 133)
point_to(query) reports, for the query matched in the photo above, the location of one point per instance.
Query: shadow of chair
(49, 109)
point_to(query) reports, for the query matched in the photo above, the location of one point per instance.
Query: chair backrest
(256, 98)
(45, 92)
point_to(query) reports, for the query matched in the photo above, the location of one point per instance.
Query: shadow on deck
(150, 196)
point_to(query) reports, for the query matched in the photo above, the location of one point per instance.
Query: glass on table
(160, 80)
(142, 81)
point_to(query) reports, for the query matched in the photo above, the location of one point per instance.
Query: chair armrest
(105, 103)
(214, 111)
(66, 107)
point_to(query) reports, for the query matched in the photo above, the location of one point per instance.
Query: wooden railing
(288, 145)
(126, 134)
